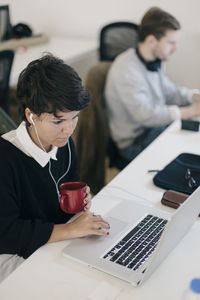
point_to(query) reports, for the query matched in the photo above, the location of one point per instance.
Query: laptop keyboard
(135, 248)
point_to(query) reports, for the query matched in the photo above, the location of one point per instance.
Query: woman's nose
(68, 128)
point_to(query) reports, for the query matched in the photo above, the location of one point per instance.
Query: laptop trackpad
(116, 226)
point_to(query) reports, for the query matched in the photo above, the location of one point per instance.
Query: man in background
(140, 98)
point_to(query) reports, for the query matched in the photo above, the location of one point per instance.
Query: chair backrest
(5, 25)
(92, 132)
(6, 123)
(6, 60)
(117, 37)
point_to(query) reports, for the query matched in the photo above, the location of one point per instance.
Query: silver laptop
(140, 239)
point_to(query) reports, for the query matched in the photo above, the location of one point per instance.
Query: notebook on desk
(141, 237)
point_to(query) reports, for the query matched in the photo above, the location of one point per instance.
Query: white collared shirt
(21, 139)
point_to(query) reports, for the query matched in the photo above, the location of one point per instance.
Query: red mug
(72, 195)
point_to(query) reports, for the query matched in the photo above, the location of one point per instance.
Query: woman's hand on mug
(87, 199)
(87, 224)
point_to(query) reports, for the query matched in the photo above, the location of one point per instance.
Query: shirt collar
(32, 149)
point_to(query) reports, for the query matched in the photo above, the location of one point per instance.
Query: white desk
(48, 275)
(71, 50)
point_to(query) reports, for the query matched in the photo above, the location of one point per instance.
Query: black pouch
(182, 174)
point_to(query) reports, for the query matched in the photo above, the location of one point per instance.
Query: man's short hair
(157, 21)
(48, 85)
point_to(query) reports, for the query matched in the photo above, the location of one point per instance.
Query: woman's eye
(57, 122)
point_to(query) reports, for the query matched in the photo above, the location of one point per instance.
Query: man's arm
(192, 110)
(175, 95)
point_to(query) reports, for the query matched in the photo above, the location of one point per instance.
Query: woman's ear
(29, 116)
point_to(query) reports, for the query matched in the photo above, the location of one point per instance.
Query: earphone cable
(68, 164)
(56, 183)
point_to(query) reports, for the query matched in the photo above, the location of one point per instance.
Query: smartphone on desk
(190, 124)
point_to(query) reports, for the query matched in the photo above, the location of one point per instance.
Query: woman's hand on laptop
(87, 224)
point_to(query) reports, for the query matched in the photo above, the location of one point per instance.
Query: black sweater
(29, 205)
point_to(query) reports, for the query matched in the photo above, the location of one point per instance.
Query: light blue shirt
(137, 98)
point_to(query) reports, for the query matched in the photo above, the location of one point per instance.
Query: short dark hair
(47, 85)
(157, 21)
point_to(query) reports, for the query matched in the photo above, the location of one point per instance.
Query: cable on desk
(124, 190)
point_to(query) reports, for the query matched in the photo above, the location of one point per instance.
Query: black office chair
(93, 141)
(5, 25)
(117, 37)
(6, 123)
(6, 60)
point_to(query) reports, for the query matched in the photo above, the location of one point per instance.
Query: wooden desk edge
(23, 42)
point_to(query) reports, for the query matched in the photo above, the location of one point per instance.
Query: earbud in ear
(31, 117)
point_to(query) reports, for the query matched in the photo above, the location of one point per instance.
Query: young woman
(36, 158)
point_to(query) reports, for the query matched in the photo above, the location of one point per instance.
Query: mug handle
(62, 201)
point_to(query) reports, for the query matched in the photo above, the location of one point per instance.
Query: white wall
(85, 18)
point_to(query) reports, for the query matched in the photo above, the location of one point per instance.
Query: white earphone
(31, 117)
(56, 183)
